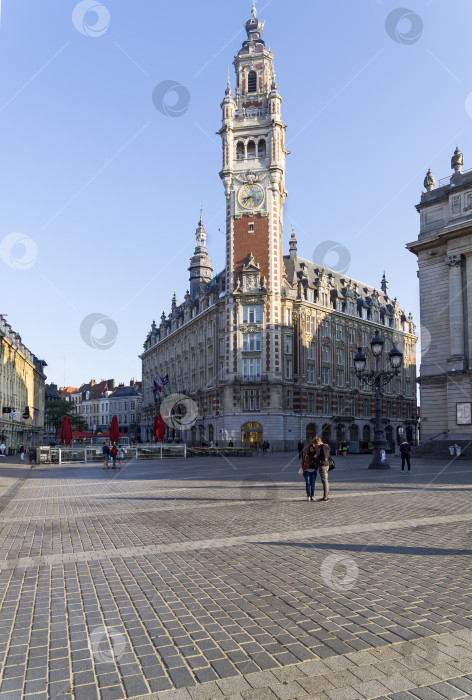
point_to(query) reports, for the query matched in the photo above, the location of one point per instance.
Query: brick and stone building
(444, 250)
(265, 347)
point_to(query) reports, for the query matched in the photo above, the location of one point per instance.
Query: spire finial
(200, 223)
(254, 9)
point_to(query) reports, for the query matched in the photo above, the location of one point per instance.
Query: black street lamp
(378, 378)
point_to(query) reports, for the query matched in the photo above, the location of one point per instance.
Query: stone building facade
(22, 391)
(444, 250)
(265, 347)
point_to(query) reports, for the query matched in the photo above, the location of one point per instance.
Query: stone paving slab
(235, 586)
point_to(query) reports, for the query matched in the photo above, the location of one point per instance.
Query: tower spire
(384, 284)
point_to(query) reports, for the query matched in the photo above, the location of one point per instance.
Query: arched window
(326, 433)
(252, 81)
(310, 432)
(366, 433)
(261, 149)
(251, 149)
(240, 151)
(354, 433)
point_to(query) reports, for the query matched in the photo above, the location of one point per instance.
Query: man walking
(300, 447)
(106, 455)
(323, 454)
(405, 451)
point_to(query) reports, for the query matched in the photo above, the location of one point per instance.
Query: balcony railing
(251, 378)
(251, 112)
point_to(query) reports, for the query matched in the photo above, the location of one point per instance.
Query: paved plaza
(210, 578)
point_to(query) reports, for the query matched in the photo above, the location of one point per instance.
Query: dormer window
(251, 149)
(252, 81)
(261, 149)
(240, 151)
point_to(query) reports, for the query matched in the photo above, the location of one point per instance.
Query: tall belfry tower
(253, 174)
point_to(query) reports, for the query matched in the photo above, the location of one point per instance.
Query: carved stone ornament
(251, 282)
(429, 180)
(250, 177)
(457, 160)
(454, 260)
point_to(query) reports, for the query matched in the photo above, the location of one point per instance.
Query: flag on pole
(165, 380)
(157, 388)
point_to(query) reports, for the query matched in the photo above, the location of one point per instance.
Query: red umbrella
(114, 430)
(66, 431)
(158, 428)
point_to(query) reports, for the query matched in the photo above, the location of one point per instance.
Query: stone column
(456, 312)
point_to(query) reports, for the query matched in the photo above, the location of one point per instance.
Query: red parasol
(114, 430)
(158, 428)
(66, 431)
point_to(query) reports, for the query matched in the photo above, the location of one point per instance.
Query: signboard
(464, 413)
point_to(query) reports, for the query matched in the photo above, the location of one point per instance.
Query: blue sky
(104, 190)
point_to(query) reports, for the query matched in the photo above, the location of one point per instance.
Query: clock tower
(253, 174)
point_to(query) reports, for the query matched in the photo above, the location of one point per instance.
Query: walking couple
(317, 458)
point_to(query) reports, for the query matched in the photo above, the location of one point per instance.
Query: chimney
(131, 382)
(111, 383)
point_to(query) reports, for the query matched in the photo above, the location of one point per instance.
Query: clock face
(251, 196)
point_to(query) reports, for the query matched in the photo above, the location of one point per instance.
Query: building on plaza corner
(444, 251)
(265, 347)
(22, 391)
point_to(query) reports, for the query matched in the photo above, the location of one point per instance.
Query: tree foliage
(55, 412)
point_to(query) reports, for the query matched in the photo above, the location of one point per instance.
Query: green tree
(55, 412)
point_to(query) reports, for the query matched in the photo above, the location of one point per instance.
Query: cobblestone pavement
(210, 578)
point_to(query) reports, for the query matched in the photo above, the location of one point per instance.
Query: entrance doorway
(310, 432)
(251, 435)
(326, 433)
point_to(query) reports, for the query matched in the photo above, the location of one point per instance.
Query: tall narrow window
(251, 149)
(261, 149)
(252, 81)
(240, 151)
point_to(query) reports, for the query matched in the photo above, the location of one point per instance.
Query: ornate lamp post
(377, 378)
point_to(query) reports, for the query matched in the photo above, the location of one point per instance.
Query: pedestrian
(405, 452)
(22, 452)
(120, 456)
(344, 449)
(230, 443)
(323, 454)
(113, 453)
(106, 455)
(2, 449)
(32, 455)
(300, 448)
(310, 468)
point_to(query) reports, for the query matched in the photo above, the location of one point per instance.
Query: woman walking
(309, 467)
(120, 454)
(323, 453)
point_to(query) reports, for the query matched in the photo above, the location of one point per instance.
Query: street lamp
(378, 378)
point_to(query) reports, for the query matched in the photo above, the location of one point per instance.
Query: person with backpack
(405, 452)
(309, 466)
(106, 455)
(323, 454)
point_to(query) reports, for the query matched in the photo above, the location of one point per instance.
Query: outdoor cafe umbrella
(114, 430)
(158, 429)
(66, 431)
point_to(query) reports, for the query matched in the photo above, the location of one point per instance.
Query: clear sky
(103, 190)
